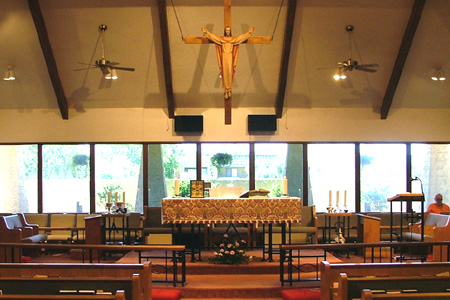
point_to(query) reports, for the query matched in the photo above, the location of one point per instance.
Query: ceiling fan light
(9, 74)
(343, 76)
(438, 75)
(114, 74)
(337, 77)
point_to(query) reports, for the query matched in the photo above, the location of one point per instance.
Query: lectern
(408, 198)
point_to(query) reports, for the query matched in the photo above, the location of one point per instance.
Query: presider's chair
(303, 233)
(307, 230)
(155, 232)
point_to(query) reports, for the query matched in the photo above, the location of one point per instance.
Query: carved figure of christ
(227, 49)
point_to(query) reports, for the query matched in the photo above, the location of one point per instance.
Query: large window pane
(175, 162)
(332, 168)
(226, 165)
(431, 164)
(270, 168)
(65, 178)
(383, 175)
(118, 170)
(18, 178)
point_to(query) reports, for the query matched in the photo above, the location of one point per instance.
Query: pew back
(352, 287)
(77, 270)
(60, 285)
(330, 272)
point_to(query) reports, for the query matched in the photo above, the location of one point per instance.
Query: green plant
(275, 191)
(220, 160)
(230, 252)
(80, 166)
(185, 188)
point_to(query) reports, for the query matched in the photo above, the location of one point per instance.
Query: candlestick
(109, 196)
(284, 186)
(345, 198)
(337, 198)
(329, 197)
(177, 187)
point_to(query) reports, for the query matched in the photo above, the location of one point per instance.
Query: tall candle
(123, 200)
(284, 186)
(329, 197)
(109, 196)
(117, 199)
(337, 198)
(345, 198)
(177, 187)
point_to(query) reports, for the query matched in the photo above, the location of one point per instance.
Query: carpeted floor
(256, 280)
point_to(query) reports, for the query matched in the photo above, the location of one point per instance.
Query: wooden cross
(205, 40)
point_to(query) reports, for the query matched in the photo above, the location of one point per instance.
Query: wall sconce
(438, 75)
(111, 74)
(9, 74)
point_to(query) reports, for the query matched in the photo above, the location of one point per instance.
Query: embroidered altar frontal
(236, 210)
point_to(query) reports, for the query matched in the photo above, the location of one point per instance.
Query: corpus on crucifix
(227, 48)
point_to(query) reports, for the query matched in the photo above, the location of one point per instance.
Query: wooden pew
(352, 287)
(330, 272)
(119, 295)
(77, 270)
(61, 285)
(368, 295)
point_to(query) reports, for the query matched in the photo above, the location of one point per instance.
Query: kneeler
(303, 294)
(166, 294)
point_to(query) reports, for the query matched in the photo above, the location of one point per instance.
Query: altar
(232, 210)
(251, 211)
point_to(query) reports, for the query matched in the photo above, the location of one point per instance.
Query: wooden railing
(170, 258)
(293, 266)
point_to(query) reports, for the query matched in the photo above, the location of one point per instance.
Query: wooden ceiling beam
(42, 33)
(285, 57)
(162, 10)
(403, 52)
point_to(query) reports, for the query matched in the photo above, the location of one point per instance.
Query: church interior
(300, 74)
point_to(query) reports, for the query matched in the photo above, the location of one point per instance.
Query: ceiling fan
(350, 64)
(105, 65)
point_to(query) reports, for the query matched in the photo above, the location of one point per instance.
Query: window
(227, 164)
(118, 170)
(431, 164)
(65, 178)
(332, 169)
(18, 178)
(179, 162)
(383, 175)
(270, 167)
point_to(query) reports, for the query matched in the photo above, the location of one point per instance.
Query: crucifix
(227, 49)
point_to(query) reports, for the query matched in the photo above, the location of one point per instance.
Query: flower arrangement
(230, 251)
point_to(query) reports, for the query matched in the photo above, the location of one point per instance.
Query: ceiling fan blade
(122, 68)
(91, 67)
(359, 68)
(368, 65)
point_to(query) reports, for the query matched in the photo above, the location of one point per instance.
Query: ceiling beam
(162, 10)
(403, 52)
(42, 33)
(285, 56)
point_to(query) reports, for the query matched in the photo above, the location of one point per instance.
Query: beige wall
(296, 125)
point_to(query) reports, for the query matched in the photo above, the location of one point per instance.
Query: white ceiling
(133, 38)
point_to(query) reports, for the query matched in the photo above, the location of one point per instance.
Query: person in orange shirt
(437, 207)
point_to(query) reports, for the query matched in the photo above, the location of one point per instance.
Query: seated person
(437, 207)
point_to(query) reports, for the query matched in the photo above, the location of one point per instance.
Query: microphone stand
(420, 217)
